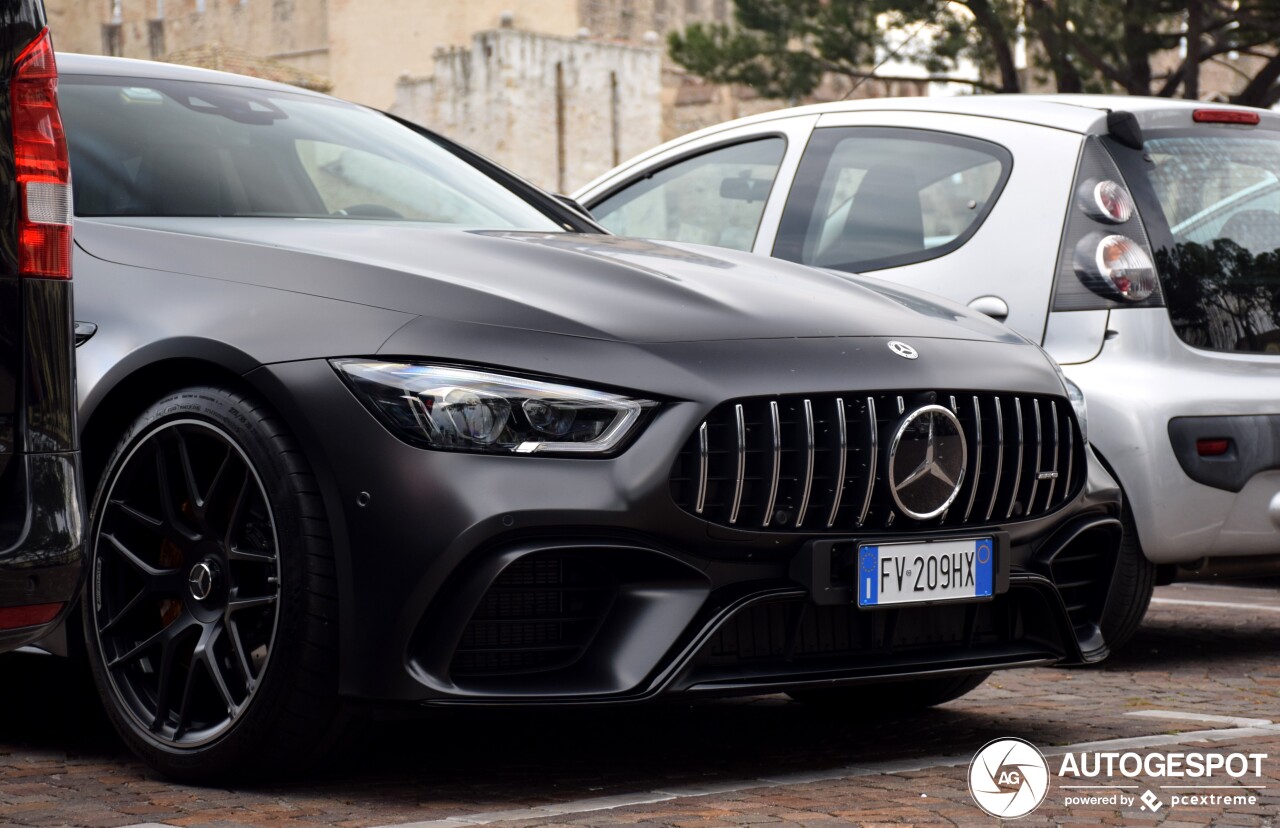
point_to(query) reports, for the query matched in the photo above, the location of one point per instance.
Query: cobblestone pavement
(1202, 675)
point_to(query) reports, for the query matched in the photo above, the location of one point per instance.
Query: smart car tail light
(41, 164)
(1105, 260)
(1115, 266)
(1107, 201)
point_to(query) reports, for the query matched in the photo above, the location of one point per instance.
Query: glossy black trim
(40, 554)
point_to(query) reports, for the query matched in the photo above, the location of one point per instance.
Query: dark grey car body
(421, 537)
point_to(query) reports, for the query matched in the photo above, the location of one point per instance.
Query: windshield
(1220, 194)
(145, 147)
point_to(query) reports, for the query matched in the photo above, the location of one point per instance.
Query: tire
(211, 616)
(1131, 591)
(891, 697)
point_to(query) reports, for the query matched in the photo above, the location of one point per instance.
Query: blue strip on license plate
(912, 573)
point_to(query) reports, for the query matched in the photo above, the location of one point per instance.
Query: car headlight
(442, 407)
(1077, 400)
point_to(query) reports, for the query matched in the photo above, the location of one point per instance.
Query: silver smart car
(1136, 239)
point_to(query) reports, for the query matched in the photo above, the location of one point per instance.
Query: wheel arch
(132, 384)
(128, 394)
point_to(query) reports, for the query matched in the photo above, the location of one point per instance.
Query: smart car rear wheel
(893, 696)
(211, 614)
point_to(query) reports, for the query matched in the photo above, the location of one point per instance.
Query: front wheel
(211, 613)
(891, 697)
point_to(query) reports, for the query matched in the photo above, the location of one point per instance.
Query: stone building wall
(632, 20)
(559, 111)
(294, 32)
(374, 42)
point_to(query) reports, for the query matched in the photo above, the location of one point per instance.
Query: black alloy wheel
(187, 582)
(210, 607)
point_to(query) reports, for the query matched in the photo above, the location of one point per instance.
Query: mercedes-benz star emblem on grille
(927, 461)
(903, 350)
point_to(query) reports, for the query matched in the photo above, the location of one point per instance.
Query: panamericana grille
(538, 615)
(820, 463)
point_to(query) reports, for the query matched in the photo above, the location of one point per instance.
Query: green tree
(783, 48)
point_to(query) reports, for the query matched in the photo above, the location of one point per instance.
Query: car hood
(594, 286)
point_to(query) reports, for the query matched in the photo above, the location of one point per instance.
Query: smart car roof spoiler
(1123, 126)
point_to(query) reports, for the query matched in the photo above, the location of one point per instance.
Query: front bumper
(498, 579)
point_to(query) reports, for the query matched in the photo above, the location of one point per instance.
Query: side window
(868, 198)
(714, 198)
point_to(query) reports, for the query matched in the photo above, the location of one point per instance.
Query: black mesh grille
(1025, 459)
(796, 631)
(539, 615)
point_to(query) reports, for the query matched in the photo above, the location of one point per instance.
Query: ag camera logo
(1008, 778)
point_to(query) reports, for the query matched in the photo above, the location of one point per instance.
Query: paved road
(1203, 675)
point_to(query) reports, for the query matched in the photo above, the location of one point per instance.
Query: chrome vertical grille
(818, 463)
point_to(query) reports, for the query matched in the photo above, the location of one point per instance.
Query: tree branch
(1085, 51)
(839, 69)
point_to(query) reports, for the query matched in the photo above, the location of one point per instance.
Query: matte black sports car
(367, 418)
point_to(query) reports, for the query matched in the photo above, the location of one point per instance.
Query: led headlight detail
(443, 407)
(1077, 402)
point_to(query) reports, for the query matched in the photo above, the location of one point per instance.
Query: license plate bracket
(945, 570)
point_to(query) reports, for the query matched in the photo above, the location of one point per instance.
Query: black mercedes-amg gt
(367, 418)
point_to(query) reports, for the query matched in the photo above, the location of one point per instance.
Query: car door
(967, 207)
(726, 188)
(41, 520)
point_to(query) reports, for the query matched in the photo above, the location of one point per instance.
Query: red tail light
(42, 166)
(1212, 446)
(1225, 116)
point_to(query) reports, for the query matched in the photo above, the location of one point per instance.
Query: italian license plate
(917, 573)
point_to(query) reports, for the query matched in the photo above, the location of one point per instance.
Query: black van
(41, 496)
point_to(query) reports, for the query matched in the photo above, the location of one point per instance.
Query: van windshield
(150, 147)
(1220, 194)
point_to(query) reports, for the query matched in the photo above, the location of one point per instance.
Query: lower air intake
(539, 615)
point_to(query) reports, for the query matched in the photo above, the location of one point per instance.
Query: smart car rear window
(1219, 194)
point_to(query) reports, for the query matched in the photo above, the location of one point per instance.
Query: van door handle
(84, 330)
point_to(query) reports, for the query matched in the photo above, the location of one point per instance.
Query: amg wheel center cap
(927, 461)
(201, 578)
